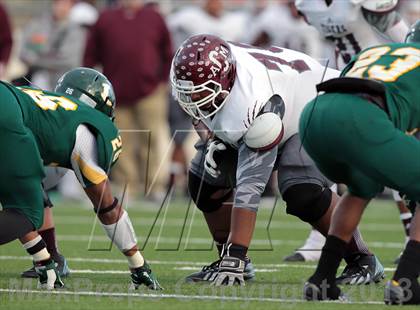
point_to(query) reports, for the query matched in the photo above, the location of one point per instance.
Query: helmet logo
(105, 93)
(217, 65)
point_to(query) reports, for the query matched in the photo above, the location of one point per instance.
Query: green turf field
(177, 244)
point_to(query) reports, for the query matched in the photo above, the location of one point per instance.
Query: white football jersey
(343, 22)
(261, 74)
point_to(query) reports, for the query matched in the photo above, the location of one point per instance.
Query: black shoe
(208, 273)
(295, 257)
(62, 268)
(365, 269)
(313, 292)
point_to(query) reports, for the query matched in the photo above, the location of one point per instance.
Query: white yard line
(186, 265)
(192, 222)
(172, 296)
(153, 241)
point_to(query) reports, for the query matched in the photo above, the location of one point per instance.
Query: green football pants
(21, 168)
(353, 141)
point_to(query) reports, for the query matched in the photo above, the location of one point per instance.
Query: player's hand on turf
(144, 276)
(231, 272)
(210, 164)
(48, 275)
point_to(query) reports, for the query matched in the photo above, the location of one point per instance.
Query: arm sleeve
(389, 23)
(84, 158)
(253, 172)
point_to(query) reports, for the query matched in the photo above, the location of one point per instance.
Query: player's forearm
(253, 172)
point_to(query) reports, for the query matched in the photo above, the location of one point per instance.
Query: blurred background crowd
(132, 42)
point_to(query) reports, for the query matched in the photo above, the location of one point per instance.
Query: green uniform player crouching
(359, 132)
(71, 128)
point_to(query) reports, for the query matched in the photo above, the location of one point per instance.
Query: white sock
(39, 255)
(313, 245)
(135, 261)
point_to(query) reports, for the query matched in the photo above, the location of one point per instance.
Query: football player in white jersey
(353, 25)
(210, 17)
(250, 99)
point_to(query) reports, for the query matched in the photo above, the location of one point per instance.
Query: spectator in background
(52, 45)
(210, 18)
(132, 45)
(6, 40)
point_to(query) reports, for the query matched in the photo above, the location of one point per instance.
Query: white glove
(209, 163)
(231, 272)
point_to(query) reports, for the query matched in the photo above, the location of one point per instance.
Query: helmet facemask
(211, 97)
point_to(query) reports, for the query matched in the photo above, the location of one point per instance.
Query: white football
(265, 132)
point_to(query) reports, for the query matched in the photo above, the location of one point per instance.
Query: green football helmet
(413, 36)
(90, 87)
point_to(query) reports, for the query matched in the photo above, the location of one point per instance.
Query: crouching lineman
(70, 128)
(251, 99)
(359, 132)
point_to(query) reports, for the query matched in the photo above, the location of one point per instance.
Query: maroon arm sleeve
(6, 40)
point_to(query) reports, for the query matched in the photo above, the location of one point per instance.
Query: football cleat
(314, 292)
(365, 269)
(144, 276)
(208, 273)
(48, 275)
(295, 257)
(61, 265)
(396, 294)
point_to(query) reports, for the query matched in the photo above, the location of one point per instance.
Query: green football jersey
(396, 65)
(53, 119)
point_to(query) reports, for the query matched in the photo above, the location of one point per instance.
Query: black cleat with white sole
(208, 273)
(365, 269)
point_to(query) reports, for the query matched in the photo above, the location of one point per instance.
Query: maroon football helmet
(202, 75)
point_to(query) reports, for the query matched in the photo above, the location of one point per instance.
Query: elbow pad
(265, 132)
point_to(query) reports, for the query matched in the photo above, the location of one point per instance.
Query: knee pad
(307, 201)
(201, 193)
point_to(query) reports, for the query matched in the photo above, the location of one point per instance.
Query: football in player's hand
(265, 132)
